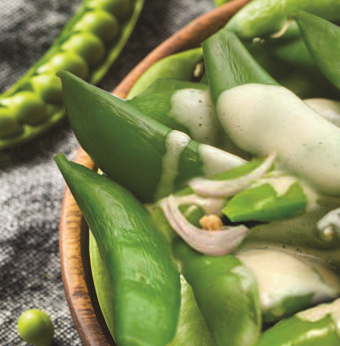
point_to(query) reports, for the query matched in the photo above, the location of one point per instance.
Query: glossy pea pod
(289, 282)
(87, 46)
(226, 294)
(191, 329)
(312, 327)
(261, 18)
(229, 64)
(188, 109)
(146, 157)
(181, 66)
(319, 36)
(141, 271)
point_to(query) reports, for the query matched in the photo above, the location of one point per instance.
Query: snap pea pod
(319, 36)
(249, 125)
(101, 284)
(137, 257)
(165, 85)
(228, 63)
(186, 107)
(144, 156)
(288, 61)
(189, 110)
(289, 282)
(226, 294)
(191, 329)
(87, 46)
(312, 327)
(261, 18)
(177, 66)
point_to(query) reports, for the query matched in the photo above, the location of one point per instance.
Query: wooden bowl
(74, 235)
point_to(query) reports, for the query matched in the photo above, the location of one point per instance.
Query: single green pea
(70, 62)
(120, 8)
(48, 87)
(100, 23)
(36, 328)
(9, 124)
(89, 46)
(27, 107)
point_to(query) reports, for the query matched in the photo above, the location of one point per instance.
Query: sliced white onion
(214, 243)
(229, 187)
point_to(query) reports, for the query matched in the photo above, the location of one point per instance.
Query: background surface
(31, 187)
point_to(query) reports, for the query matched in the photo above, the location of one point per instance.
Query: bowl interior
(74, 234)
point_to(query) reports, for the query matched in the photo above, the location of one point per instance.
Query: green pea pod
(87, 46)
(289, 282)
(267, 201)
(101, 283)
(228, 64)
(137, 257)
(313, 327)
(319, 36)
(191, 329)
(146, 157)
(261, 18)
(164, 85)
(177, 66)
(226, 294)
(189, 110)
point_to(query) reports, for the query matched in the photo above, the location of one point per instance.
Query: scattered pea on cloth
(31, 185)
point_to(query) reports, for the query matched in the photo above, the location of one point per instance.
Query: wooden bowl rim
(71, 248)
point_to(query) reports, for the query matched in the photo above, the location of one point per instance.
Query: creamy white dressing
(328, 109)
(280, 275)
(194, 110)
(216, 160)
(175, 143)
(261, 119)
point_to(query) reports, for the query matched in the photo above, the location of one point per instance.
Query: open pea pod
(228, 64)
(87, 46)
(319, 36)
(146, 157)
(141, 271)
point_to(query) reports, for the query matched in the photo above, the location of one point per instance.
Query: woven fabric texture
(31, 187)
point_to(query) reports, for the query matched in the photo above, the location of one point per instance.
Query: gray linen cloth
(31, 187)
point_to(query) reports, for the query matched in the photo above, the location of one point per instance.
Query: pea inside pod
(87, 46)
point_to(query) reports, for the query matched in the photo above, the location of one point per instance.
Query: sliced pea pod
(87, 46)
(146, 157)
(312, 327)
(269, 199)
(289, 282)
